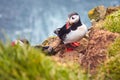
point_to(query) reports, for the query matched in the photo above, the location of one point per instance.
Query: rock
(53, 42)
(110, 10)
(59, 47)
(97, 13)
(60, 50)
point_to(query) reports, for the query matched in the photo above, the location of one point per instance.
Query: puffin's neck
(75, 25)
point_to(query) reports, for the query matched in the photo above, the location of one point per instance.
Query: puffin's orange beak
(67, 25)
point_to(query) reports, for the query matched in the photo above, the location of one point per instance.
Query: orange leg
(75, 44)
(72, 46)
(69, 49)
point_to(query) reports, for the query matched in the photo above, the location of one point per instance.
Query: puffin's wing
(59, 30)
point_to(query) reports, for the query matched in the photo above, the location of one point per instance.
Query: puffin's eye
(73, 18)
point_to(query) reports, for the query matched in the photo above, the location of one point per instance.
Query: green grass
(112, 22)
(21, 63)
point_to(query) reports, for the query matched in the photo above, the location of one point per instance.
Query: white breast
(76, 35)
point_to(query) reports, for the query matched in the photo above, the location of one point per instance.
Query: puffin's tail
(57, 31)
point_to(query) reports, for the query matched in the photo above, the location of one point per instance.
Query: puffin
(73, 31)
(20, 42)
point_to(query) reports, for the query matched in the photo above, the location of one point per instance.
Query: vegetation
(114, 49)
(21, 63)
(112, 22)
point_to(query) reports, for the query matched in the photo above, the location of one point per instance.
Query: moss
(112, 22)
(20, 63)
(114, 48)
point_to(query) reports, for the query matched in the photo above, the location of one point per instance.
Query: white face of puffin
(73, 19)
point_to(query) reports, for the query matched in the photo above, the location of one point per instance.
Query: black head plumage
(73, 13)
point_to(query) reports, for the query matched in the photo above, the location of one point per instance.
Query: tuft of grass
(112, 22)
(21, 63)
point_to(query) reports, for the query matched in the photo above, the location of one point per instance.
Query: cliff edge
(93, 49)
